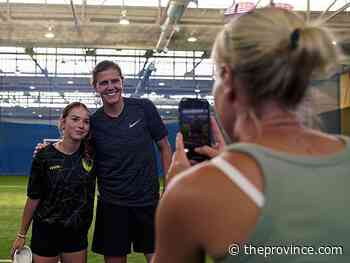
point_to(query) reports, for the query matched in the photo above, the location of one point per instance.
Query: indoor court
(49, 48)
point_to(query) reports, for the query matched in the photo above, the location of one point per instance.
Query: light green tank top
(306, 215)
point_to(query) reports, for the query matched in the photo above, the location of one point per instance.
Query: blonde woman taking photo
(282, 184)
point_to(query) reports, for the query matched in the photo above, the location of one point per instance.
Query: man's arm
(165, 155)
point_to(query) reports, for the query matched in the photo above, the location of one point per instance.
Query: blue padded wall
(17, 142)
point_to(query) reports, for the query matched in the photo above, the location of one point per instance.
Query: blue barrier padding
(17, 143)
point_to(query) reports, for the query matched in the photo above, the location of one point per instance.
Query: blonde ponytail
(275, 53)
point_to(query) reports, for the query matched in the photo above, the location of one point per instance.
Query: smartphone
(194, 119)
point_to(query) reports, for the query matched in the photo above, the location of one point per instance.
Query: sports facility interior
(48, 49)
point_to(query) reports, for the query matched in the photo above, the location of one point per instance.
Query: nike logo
(132, 124)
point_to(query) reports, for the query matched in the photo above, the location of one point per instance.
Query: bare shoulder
(188, 186)
(323, 143)
(184, 209)
(207, 203)
(207, 178)
(324, 136)
(247, 166)
(178, 218)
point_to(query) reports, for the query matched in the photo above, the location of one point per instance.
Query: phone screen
(195, 125)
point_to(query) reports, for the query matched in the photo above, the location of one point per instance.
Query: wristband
(19, 235)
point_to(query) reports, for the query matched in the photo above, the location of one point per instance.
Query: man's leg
(111, 236)
(143, 230)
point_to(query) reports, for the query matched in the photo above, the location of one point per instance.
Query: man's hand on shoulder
(39, 147)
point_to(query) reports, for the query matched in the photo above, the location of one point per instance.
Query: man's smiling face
(109, 84)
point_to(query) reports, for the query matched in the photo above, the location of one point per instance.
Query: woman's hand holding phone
(219, 142)
(180, 162)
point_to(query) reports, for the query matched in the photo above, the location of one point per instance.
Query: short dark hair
(102, 66)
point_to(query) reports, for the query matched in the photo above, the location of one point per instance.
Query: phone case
(194, 118)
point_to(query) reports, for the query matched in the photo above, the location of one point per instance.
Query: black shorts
(50, 240)
(119, 227)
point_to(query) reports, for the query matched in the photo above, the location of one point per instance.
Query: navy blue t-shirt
(125, 154)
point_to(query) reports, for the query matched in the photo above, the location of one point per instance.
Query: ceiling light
(161, 84)
(123, 19)
(191, 39)
(197, 90)
(70, 82)
(49, 33)
(32, 87)
(334, 42)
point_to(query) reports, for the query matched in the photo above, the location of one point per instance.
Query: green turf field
(12, 199)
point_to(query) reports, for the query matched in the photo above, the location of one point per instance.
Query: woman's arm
(176, 236)
(34, 193)
(28, 211)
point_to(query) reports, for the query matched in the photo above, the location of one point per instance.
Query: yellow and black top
(65, 185)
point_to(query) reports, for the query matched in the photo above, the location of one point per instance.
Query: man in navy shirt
(124, 131)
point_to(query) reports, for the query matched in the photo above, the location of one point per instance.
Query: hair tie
(294, 39)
